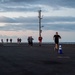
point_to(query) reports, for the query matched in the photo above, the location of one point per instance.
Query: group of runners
(30, 39)
(56, 38)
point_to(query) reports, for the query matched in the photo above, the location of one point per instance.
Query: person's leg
(31, 43)
(28, 43)
(56, 46)
(39, 42)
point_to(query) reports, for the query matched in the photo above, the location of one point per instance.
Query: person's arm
(60, 37)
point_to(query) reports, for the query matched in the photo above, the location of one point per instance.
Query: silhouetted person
(40, 40)
(30, 41)
(10, 40)
(56, 38)
(7, 40)
(18, 40)
(2, 40)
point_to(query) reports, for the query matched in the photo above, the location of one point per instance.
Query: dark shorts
(56, 42)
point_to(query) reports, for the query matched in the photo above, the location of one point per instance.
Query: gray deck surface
(21, 59)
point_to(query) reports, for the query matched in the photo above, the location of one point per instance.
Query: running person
(30, 40)
(56, 38)
(40, 40)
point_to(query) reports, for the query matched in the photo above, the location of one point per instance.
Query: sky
(19, 19)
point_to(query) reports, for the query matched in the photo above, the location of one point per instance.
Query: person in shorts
(56, 38)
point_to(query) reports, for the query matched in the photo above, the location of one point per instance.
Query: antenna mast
(39, 22)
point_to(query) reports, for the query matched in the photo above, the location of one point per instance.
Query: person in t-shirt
(40, 40)
(56, 38)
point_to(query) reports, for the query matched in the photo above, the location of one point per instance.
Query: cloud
(19, 27)
(36, 20)
(20, 1)
(4, 19)
(35, 27)
(61, 3)
(32, 23)
(59, 23)
(33, 5)
(60, 27)
(16, 5)
(58, 19)
(68, 3)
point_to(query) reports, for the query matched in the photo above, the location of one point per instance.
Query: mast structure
(40, 31)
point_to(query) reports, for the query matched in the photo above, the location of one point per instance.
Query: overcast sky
(19, 18)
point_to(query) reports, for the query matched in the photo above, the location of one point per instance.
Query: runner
(56, 38)
(40, 40)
